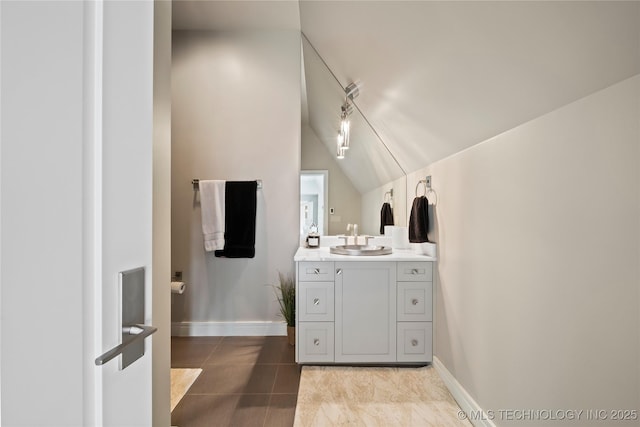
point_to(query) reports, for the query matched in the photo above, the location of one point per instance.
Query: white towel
(212, 205)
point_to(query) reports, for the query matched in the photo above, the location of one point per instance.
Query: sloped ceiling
(231, 15)
(438, 77)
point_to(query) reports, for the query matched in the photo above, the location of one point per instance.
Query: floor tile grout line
(213, 350)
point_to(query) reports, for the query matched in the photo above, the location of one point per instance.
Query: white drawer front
(315, 342)
(415, 271)
(415, 301)
(315, 301)
(316, 271)
(414, 342)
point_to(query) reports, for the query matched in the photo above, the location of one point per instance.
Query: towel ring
(427, 190)
(432, 191)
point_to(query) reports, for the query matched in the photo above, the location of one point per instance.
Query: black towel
(419, 220)
(240, 220)
(386, 216)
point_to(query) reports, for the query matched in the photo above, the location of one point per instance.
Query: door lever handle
(137, 329)
(137, 333)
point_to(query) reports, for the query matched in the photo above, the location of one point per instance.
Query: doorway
(314, 191)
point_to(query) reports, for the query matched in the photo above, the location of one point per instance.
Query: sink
(360, 250)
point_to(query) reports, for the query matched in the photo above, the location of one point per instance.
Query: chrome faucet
(353, 228)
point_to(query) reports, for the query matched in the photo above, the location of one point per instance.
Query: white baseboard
(227, 329)
(473, 411)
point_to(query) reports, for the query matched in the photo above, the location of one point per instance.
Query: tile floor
(375, 396)
(246, 381)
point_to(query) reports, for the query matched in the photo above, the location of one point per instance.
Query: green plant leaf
(287, 298)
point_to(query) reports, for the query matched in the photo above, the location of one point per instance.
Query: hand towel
(212, 206)
(386, 216)
(419, 220)
(240, 223)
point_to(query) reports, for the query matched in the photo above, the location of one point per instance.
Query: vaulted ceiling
(438, 77)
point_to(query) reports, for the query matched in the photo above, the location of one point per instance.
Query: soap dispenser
(313, 238)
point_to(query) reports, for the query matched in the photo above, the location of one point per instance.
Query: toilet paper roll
(400, 238)
(177, 287)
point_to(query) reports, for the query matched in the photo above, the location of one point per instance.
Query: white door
(76, 115)
(118, 174)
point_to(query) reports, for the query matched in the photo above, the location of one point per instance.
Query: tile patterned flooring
(246, 381)
(375, 396)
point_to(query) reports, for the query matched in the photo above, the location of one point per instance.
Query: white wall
(235, 116)
(161, 272)
(343, 196)
(538, 230)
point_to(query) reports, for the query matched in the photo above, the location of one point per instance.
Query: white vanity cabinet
(352, 312)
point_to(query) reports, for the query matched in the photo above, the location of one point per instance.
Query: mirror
(360, 183)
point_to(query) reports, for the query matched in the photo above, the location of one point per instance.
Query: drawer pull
(414, 271)
(414, 342)
(339, 271)
(316, 342)
(316, 271)
(414, 301)
(316, 301)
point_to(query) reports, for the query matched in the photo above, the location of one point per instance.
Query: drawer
(315, 342)
(316, 271)
(419, 271)
(415, 301)
(315, 301)
(414, 343)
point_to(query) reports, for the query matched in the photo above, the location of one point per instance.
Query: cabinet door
(415, 342)
(315, 342)
(415, 301)
(315, 301)
(365, 326)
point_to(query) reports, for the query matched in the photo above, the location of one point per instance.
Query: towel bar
(196, 183)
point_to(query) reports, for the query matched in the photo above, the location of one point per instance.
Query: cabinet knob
(339, 271)
(414, 342)
(316, 342)
(414, 301)
(316, 301)
(316, 271)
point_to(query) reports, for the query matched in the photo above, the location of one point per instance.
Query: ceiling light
(344, 134)
(340, 152)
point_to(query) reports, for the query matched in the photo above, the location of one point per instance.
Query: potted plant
(287, 301)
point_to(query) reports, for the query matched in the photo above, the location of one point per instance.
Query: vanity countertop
(323, 254)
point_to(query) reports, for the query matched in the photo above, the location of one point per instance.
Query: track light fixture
(351, 91)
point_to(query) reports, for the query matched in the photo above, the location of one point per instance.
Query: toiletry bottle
(313, 239)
